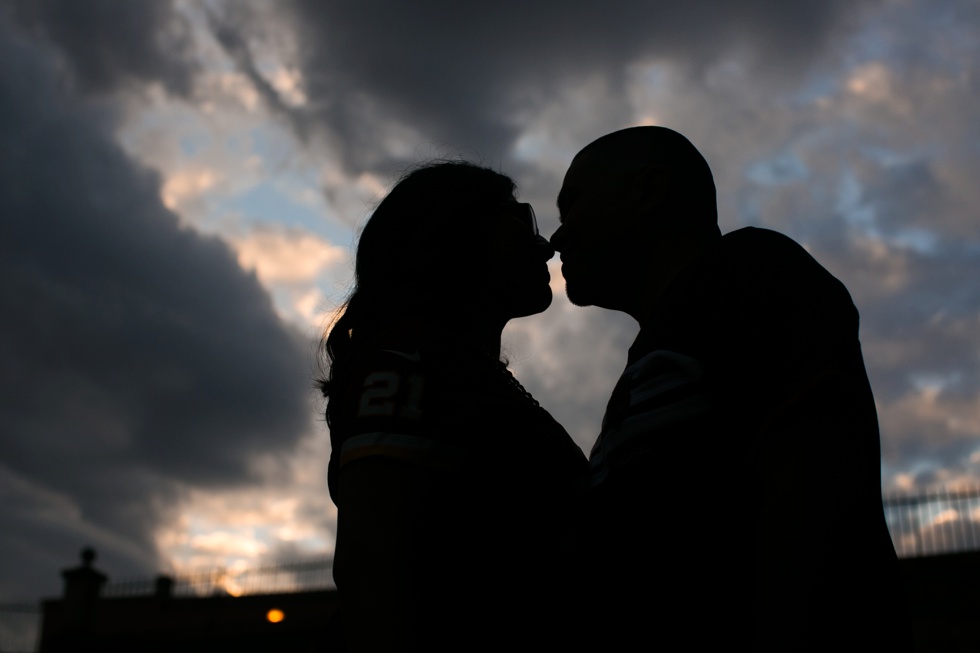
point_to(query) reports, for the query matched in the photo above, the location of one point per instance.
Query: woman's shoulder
(403, 383)
(427, 402)
(409, 340)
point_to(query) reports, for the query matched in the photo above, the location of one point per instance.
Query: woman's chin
(532, 305)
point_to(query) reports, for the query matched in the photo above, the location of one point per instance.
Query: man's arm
(820, 558)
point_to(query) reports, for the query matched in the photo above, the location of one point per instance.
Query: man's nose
(558, 238)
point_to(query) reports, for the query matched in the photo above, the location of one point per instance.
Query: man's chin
(578, 296)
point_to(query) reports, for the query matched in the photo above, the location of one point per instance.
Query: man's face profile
(593, 215)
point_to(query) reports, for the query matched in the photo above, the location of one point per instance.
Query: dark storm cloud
(138, 359)
(920, 310)
(468, 77)
(108, 44)
(457, 73)
(908, 253)
(230, 35)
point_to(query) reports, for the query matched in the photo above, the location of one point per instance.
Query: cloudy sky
(181, 183)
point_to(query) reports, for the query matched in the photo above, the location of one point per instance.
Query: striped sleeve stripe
(639, 426)
(647, 422)
(410, 448)
(656, 387)
(670, 389)
(662, 361)
(663, 391)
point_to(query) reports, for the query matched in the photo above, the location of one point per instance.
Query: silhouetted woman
(455, 488)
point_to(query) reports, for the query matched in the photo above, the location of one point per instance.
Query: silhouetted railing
(934, 522)
(928, 523)
(273, 579)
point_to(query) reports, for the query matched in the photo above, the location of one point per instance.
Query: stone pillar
(163, 587)
(69, 624)
(83, 584)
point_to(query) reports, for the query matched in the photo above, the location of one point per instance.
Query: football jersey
(426, 401)
(747, 344)
(494, 538)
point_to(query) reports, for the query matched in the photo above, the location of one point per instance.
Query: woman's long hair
(411, 256)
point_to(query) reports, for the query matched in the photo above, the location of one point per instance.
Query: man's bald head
(658, 158)
(637, 206)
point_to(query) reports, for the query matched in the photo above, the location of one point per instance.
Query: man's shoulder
(762, 244)
(768, 261)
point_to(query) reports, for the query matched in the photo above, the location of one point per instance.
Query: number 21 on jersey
(384, 395)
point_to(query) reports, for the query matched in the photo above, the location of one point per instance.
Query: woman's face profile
(513, 263)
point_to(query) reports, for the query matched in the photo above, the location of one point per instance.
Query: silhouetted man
(736, 480)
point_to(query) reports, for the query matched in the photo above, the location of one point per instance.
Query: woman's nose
(543, 247)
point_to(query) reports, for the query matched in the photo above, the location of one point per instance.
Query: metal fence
(934, 522)
(922, 524)
(272, 579)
